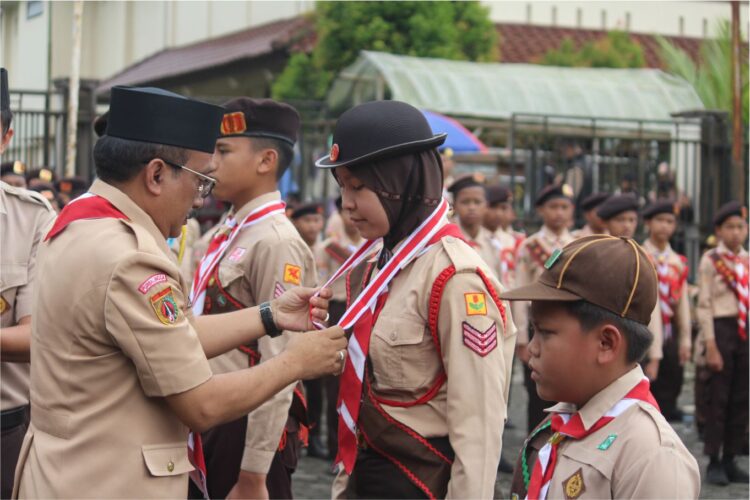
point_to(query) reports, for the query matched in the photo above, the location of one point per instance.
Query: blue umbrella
(460, 139)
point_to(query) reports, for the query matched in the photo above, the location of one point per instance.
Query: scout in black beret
(464, 182)
(594, 224)
(594, 200)
(661, 207)
(308, 219)
(727, 210)
(620, 215)
(6, 115)
(500, 213)
(553, 192)
(498, 194)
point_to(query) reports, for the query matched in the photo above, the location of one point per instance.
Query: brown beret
(466, 181)
(498, 194)
(246, 117)
(626, 281)
(661, 207)
(615, 205)
(727, 210)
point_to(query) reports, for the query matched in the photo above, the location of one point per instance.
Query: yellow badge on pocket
(476, 304)
(573, 487)
(165, 306)
(292, 274)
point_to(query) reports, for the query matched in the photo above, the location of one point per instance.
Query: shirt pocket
(169, 459)
(401, 353)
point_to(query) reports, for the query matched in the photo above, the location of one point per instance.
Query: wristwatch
(266, 316)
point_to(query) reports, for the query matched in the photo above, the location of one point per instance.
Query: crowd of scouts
(166, 362)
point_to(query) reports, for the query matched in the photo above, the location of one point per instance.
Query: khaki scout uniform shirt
(112, 336)
(263, 260)
(25, 218)
(636, 455)
(471, 406)
(327, 264)
(715, 298)
(487, 248)
(507, 244)
(528, 271)
(681, 318)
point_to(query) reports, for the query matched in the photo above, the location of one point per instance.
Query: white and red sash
(218, 246)
(570, 426)
(361, 315)
(734, 271)
(86, 206)
(671, 280)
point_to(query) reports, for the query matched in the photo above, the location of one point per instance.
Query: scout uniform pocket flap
(169, 459)
(399, 331)
(587, 452)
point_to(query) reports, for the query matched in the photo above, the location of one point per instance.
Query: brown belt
(14, 417)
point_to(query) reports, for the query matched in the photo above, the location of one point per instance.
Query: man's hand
(249, 485)
(522, 352)
(652, 369)
(292, 310)
(316, 354)
(713, 357)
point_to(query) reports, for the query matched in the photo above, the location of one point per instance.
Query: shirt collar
(251, 205)
(604, 400)
(132, 211)
(551, 238)
(649, 246)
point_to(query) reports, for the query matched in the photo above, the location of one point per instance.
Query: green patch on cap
(604, 446)
(553, 258)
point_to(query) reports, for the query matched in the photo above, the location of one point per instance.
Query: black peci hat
(727, 210)
(615, 205)
(376, 130)
(661, 207)
(157, 116)
(594, 200)
(246, 117)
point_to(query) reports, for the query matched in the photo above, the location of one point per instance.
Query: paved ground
(313, 478)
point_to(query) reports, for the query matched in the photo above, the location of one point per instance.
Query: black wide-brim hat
(377, 130)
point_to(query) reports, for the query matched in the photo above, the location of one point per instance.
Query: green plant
(616, 50)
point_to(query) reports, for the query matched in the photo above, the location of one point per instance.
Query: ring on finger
(342, 356)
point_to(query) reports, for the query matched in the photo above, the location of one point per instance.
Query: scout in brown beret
(590, 334)
(620, 215)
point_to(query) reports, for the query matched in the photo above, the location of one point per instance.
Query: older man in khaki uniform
(266, 258)
(606, 438)
(119, 364)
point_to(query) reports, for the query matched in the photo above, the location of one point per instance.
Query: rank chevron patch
(480, 342)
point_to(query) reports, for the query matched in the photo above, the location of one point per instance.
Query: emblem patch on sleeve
(574, 487)
(165, 306)
(151, 281)
(292, 274)
(476, 304)
(278, 290)
(480, 342)
(236, 254)
(4, 306)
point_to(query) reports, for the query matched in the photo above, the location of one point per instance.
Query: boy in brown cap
(254, 456)
(606, 438)
(722, 315)
(554, 204)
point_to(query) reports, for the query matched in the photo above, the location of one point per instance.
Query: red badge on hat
(233, 123)
(334, 155)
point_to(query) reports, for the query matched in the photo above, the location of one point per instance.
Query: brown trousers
(10, 445)
(668, 384)
(726, 393)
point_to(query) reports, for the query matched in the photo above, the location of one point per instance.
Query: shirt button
(394, 336)
(170, 466)
(449, 239)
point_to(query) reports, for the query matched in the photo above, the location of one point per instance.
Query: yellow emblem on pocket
(292, 274)
(573, 487)
(165, 306)
(476, 304)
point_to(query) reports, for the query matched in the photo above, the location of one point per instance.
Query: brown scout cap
(613, 273)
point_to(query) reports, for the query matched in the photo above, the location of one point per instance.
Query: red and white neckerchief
(670, 287)
(86, 206)
(218, 246)
(197, 460)
(739, 285)
(570, 426)
(361, 315)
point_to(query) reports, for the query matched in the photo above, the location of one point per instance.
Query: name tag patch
(152, 281)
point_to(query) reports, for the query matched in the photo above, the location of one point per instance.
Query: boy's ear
(611, 343)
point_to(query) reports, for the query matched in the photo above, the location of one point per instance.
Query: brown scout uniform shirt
(263, 260)
(25, 218)
(112, 336)
(715, 298)
(486, 247)
(528, 270)
(681, 318)
(471, 406)
(636, 455)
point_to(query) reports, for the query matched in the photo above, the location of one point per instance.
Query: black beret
(306, 209)
(552, 192)
(100, 124)
(498, 194)
(45, 174)
(617, 204)
(594, 200)
(727, 210)
(466, 181)
(13, 168)
(661, 207)
(157, 116)
(4, 92)
(246, 117)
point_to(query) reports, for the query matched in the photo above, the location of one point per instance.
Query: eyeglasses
(206, 183)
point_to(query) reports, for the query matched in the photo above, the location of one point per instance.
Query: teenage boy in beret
(120, 362)
(470, 206)
(722, 315)
(498, 220)
(554, 204)
(606, 438)
(255, 455)
(594, 224)
(674, 304)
